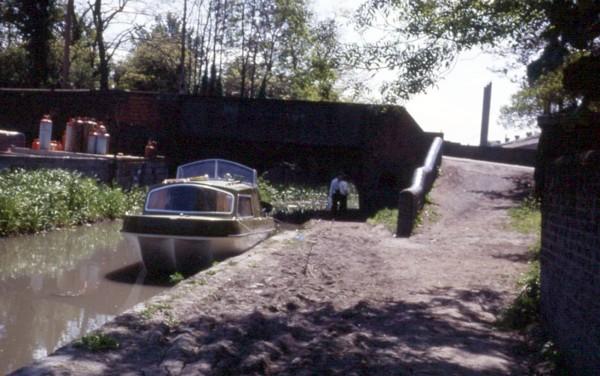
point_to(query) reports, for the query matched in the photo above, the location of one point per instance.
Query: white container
(45, 135)
(71, 139)
(91, 142)
(102, 143)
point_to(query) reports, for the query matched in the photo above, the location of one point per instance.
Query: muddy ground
(342, 298)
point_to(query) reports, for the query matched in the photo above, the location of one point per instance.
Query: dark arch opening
(300, 192)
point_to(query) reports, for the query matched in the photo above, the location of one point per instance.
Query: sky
(454, 107)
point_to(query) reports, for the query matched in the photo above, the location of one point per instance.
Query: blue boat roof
(218, 169)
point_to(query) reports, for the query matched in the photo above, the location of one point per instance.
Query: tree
(280, 52)
(66, 64)
(102, 18)
(35, 21)
(425, 37)
(153, 64)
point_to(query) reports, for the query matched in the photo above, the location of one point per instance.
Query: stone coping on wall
(31, 153)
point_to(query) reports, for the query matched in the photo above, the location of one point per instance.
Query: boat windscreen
(189, 199)
(218, 169)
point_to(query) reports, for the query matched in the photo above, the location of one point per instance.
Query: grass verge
(33, 201)
(389, 217)
(526, 218)
(524, 312)
(386, 217)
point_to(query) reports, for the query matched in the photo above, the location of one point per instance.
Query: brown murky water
(58, 286)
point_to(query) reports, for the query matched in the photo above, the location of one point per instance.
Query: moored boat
(210, 210)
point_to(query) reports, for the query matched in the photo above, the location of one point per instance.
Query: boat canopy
(219, 169)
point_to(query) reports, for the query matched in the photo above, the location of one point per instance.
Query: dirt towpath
(341, 298)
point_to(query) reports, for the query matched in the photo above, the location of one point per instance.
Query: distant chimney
(485, 116)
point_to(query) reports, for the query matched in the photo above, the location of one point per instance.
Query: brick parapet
(570, 258)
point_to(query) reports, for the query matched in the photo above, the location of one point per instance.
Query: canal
(58, 286)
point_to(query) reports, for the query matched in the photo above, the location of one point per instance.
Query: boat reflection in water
(211, 210)
(58, 286)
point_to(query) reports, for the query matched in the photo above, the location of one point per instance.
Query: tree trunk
(103, 67)
(253, 74)
(181, 85)
(66, 66)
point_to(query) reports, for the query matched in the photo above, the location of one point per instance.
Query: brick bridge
(378, 146)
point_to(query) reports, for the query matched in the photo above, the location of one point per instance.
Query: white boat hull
(168, 254)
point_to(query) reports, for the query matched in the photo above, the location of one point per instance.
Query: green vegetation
(525, 308)
(544, 36)
(295, 198)
(32, 201)
(199, 282)
(98, 342)
(151, 309)
(254, 49)
(427, 213)
(176, 277)
(526, 218)
(165, 309)
(387, 217)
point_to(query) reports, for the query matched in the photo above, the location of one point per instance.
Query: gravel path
(342, 298)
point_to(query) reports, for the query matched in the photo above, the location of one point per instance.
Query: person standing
(338, 194)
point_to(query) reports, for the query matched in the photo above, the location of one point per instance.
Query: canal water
(58, 286)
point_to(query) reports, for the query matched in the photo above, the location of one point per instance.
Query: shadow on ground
(522, 187)
(393, 338)
(301, 217)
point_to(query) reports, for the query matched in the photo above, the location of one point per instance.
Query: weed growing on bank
(525, 309)
(526, 218)
(33, 201)
(389, 217)
(386, 217)
(524, 312)
(97, 342)
(428, 213)
(176, 278)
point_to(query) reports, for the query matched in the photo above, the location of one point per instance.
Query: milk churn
(102, 143)
(81, 143)
(91, 142)
(71, 140)
(89, 127)
(45, 134)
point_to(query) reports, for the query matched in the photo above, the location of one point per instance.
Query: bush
(32, 201)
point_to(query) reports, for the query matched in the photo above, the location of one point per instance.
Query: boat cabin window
(244, 206)
(189, 198)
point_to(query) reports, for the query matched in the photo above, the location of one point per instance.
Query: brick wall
(570, 258)
(378, 146)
